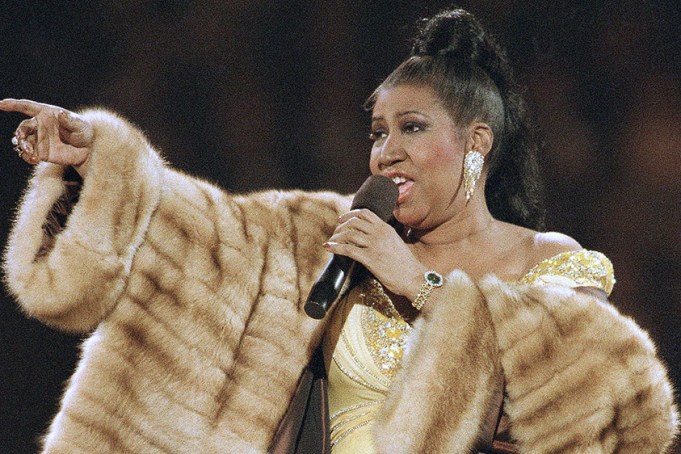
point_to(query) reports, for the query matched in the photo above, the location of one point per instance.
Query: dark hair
(473, 78)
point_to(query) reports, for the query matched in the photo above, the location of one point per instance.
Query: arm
(72, 279)
(445, 390)
(580, 376)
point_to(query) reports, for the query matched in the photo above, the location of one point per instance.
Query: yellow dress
(367, 337)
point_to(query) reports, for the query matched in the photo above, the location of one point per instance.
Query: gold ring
(17, 146)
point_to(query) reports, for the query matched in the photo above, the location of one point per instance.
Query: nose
(391, 152)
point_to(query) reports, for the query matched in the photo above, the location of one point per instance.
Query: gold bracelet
(432, 279)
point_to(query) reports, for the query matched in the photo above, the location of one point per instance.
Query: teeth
(399, 180)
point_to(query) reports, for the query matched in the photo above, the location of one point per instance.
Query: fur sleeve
(444, 390)
(580, 376)
(75, 283)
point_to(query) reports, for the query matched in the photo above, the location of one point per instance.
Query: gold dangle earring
(472, 168)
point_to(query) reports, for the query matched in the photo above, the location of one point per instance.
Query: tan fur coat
(194, 299)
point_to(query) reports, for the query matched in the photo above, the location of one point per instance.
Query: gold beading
(385, 330)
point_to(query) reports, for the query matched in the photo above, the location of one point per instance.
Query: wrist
(430, 281)
(83, 166)
(413, 284)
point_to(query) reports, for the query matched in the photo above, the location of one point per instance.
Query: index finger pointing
(24, 106)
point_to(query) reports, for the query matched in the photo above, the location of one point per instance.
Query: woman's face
(418, 145)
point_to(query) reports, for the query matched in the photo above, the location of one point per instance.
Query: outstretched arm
(70, 276)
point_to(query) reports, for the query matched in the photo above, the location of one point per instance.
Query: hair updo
(471, 75)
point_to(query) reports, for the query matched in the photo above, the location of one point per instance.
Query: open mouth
(403, 185)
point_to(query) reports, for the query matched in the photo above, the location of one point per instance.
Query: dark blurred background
(259, 94)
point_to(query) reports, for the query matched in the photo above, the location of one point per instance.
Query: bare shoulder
(548, 244)
(532, 247)
(545, 245)
(523, 248)
(541, 244)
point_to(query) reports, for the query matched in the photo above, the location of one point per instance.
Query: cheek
(373, 161)
(444, 159)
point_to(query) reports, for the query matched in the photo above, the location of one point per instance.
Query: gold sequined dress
(367, 339)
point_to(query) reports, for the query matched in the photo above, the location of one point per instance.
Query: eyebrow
(402, 114)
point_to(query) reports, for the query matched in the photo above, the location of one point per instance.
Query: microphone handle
(328, 286)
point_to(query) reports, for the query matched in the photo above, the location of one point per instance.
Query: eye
(376, 134)
(412, 127)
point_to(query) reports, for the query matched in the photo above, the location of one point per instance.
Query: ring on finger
(19, 150)
(17, 146)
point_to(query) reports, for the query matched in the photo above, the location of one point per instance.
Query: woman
(195, 295)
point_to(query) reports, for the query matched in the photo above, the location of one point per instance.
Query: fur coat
(194, 300)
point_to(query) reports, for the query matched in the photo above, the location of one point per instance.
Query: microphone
(378, 194)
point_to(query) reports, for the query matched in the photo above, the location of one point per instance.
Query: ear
(480, 138)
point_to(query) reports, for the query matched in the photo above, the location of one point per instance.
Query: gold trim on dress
(385, 331)
(584, 268)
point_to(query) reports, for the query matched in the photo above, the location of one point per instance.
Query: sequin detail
(360, 364)
(586, 268)
(384, 329)
(351, 408)
(347, 432)
(341, 422)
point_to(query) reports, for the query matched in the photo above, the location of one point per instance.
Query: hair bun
(452, 33)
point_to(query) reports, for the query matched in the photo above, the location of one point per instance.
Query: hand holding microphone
(379, 195)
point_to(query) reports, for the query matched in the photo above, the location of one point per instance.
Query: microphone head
(378, 194)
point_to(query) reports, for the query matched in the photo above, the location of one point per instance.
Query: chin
(407, 218)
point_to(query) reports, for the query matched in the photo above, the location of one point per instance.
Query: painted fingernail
(15, 141)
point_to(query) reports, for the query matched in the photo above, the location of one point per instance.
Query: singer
(194, 296)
